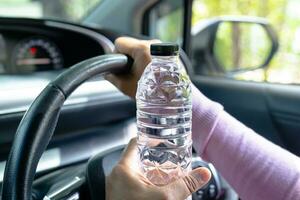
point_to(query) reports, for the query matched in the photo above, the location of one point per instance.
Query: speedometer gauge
(36, 54)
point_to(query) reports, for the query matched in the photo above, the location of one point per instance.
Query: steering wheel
(39, 122)
(37, 127)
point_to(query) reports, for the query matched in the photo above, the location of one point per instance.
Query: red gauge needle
(33, 50)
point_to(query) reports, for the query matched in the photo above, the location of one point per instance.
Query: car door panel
(284, 105)
(271, 110)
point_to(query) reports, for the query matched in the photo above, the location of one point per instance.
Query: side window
(241, 50)
(165, 21)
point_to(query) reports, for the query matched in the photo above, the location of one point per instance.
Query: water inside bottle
(164, 122)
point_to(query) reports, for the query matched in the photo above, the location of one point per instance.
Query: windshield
(64, 10)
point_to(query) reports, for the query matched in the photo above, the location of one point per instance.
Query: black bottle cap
(164, 49)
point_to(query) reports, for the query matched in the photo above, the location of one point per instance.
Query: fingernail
(201, 174)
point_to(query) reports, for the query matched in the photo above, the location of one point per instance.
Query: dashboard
(28, 45)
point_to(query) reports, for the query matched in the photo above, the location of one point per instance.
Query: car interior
(63, 127)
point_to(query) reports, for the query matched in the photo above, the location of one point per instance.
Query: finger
(129, 155)
(126, 45)
(185, 186)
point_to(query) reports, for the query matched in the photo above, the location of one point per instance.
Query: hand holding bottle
(126, 182)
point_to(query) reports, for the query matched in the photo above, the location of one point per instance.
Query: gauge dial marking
(34, 61)
(36, 54)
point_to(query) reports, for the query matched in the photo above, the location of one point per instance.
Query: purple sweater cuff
(204, 119)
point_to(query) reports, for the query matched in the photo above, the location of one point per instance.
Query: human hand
(139, 50)
(127, 182)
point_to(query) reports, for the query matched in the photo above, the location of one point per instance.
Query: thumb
(185, 186)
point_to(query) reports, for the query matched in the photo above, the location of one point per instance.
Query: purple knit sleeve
(256, 168)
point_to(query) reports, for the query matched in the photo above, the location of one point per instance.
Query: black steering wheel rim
(39, 122)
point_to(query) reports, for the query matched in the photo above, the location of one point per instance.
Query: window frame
(186, 26)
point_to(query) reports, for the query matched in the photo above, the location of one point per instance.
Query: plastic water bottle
(164, 116)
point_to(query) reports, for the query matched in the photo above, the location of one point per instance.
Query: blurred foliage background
(284, 16)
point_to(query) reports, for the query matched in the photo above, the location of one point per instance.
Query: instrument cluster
(28, 46)
(36, 54)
